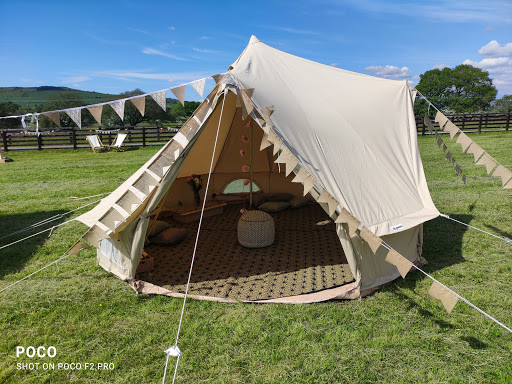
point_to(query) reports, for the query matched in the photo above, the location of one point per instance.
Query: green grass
(397, 335)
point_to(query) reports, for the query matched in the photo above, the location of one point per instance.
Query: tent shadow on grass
(442, 242)
(14, 258)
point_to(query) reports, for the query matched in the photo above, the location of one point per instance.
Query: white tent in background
(350, 136)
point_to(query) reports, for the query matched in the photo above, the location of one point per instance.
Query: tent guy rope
(505, 239)
(388, 247)
(174, 350)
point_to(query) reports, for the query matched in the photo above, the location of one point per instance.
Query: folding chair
(95, 143)
(118, 141)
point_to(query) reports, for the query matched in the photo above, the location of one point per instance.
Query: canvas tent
(353, 135)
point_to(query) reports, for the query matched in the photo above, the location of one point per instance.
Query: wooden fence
(75, 138)
(476, 122)
(71, 138)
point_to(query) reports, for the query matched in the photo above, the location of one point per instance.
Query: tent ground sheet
(306, 257)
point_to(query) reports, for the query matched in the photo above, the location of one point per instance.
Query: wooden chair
(95, 143)
(118, 141)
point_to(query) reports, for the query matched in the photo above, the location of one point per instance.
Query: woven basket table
(256, 229)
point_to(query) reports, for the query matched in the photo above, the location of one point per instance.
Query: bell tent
(281, 126)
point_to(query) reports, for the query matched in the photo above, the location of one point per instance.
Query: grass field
(397, 335)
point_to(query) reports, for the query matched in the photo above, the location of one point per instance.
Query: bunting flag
(371, 238)
(286, 157)
(448, 156)
(447, 297)
(452, 128)
(140, 104)
(264, 142)
(439, 140)
(198, 85)
(458, 170)
(303, 176)
(218, 77)
(245, 102)
(488, 161)
(346, 217)
(267, 112)
(403, 265)
(96, 112)
(441, 119)
(53, 116)
(445, 148)
(325, 197)
(464, 141)
(160, 98)
(118, 106)
(475, 149)
(275, 140)
(429, 124)
(179, 92)
(504, 173)
(76, 115)
(464, 179)
(77, 247)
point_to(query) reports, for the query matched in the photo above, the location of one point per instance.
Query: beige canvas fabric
(179, 92)
(368, 163)
(464, 141)
(447, 297)
(53, 116)
(96, 112)
(140, 104)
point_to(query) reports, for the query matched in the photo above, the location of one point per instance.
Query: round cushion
(256, 229)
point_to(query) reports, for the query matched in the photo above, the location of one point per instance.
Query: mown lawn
(397, 335)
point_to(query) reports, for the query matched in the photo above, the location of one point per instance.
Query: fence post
(4, 139)
(480, 123)
(508, 120)
(143, 136)
(39, 142)
(73, 138)
(463, 121)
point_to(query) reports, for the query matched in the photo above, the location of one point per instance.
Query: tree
(181, 113)
(463, 89)
(502, 105)
(10, 109)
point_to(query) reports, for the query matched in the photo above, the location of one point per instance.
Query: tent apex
(254, 39)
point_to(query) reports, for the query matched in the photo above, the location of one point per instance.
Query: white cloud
(439, 66)
(172, 28)
(76, 85)
(334, 64)
(151, 51)
(494, 49)
(389, 71)
(294, 31)
(498, 62)
(74, 79)
(29, 80)
(131, 75)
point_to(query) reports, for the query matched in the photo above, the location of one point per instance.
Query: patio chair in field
(118, 141)
(95, 143)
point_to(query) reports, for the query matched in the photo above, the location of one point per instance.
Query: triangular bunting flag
(371, 238)
(276, 141)
(53, 116)
(218, 77)
(445, 148)
(447, 297)
(303, 176)
(266, 113)
(464, 141)
(288, 159)
(77, 247)
(403, 265)
(463, 178)
(428, 123)
(458, 171)
(140, 104)
(488, 161)
(439, 141)
(264, 142)
(325, 197)
(198, 85)
(452, 128)
(504, 173)
(441, 119)
(76, 116)
(118, 106)
(96, 112)
(448, 156)
(476, 150)
(346, 217)
(179, 92)
(160, 98)
(244, 101)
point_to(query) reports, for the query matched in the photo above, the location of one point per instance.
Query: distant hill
(34, 96)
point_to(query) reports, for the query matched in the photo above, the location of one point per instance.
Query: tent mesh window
(237, 186)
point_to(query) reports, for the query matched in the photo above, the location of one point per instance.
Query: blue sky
(115, 46)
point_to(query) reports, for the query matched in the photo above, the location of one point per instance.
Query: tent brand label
(397, 227)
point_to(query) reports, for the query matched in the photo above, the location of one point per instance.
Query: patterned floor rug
(306, 257)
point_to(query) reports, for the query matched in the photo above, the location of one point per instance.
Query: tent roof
(355, 133)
